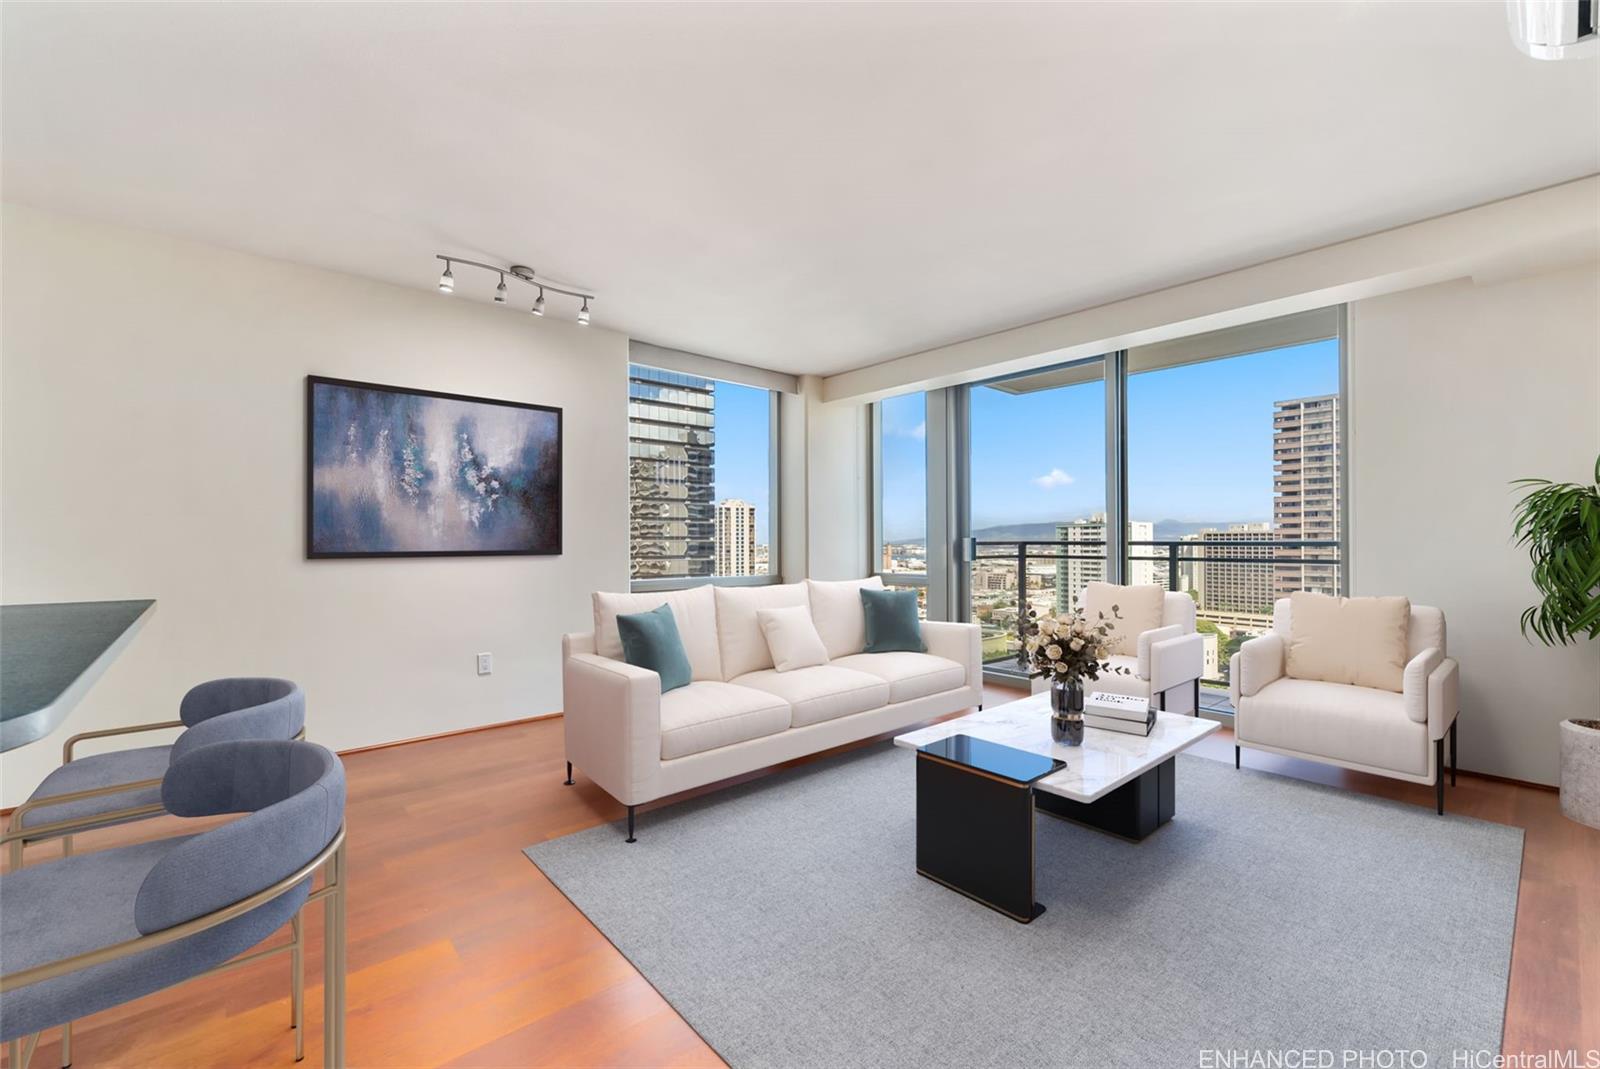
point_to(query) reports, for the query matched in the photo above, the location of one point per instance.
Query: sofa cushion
(792, 638)
(909, 675)
(1358, 725)
(742, 645)
(650, 640)
(1138, 609)
(891, 621)
(836, 610)
(707, 715)
(1356, 641)
(693, 610)
(822, 692)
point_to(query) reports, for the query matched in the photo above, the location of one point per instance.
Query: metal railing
(1174, 553)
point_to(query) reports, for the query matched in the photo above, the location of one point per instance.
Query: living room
(799, 535)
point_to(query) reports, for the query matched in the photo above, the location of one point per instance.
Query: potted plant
(1066, 650)
(1559, 523)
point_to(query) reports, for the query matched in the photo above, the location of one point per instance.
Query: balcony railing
(1002, 639)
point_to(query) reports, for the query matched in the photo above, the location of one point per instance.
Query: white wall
(837, 516)
(1455, 390)
(152, 432)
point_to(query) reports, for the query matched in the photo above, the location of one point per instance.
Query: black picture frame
(313, 381)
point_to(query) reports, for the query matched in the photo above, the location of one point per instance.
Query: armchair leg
(66, 1046)
(1236, 757)
(630, 838)
(1161, 702)
(569, 774)
(1197, 697)
(1453, 724)
(1438, 774)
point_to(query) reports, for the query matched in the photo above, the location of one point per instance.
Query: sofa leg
(568, 781)
(1236, 757)
(1197, 697)
(1438, 774)
(631, 839)
(1453, 724)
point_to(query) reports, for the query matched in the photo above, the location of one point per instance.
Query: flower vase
(1066, 712)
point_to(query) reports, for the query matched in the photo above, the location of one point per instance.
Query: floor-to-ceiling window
(1036, 497)
(901, 473)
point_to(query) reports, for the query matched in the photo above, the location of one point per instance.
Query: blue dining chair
(124, 785)
(89, 932)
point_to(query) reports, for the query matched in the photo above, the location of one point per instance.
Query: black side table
(975, 820)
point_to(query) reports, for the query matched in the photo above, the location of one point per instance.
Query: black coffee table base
(975, 835)
(1132, 811)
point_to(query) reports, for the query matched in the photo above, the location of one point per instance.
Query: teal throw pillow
(650, 640)
(892, 624)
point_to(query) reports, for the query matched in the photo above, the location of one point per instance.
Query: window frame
(774, 573)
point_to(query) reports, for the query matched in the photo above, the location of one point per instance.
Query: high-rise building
(1227, 585)
(736, 538)
(1086, 546)
(671, 474)
(1305, 483)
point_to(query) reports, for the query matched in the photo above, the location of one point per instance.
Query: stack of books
(1119, 712)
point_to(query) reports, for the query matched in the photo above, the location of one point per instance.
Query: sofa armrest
(1414, 683)
(611, 716)
(1444, 697)
(961, 643)
(1176, 660)
(1258, 662)
(1148, 639)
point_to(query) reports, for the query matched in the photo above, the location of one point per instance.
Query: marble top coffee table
(1124, 784)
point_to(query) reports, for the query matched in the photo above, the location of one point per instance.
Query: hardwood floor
(461, 953)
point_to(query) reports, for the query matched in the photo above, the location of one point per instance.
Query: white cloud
(1056, 478)
(919, 432)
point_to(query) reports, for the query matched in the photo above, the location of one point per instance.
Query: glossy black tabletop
(1007, 762)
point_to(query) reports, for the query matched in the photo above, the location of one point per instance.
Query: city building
(1085, 561)
(1306, 492)
(1225, 583)
(671, 474)
(735, 538)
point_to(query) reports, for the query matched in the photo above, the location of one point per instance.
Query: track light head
(447, 281)
(500, 291)
(583, 313)
(538, 305)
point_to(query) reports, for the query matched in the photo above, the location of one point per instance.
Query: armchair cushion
(650, 640)
(1356, 641)
(100, 770)
(1355, 725)
(1137, 609)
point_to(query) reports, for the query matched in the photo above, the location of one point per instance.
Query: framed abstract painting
(394, 472)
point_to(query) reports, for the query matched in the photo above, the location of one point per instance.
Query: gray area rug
(784, 920)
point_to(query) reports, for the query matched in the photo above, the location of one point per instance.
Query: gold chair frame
(331, 860)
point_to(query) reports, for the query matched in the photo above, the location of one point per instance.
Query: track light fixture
(447, 284)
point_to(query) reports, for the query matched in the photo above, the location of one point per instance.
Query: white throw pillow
(1357, 641)
(738, 634)
(1139, 609)
(792, 638)
(836, 611)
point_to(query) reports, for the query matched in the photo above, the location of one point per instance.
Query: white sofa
(1169, 659)
(1357, 727)
(740, 714)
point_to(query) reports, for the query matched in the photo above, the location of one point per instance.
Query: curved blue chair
(114, 788)
(86, 933)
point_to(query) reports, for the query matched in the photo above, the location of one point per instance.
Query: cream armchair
(1360, 728)
(1168, 662)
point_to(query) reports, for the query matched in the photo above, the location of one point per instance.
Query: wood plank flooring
(461, 953)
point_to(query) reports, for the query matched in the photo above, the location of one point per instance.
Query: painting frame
(311, 550)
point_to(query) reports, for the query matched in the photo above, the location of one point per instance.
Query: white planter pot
(1580, 772)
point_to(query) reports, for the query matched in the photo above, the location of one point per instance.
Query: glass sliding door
(1036, 501)
(1233, 472)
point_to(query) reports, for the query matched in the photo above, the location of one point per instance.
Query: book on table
(1117, 723)
(1117, 706)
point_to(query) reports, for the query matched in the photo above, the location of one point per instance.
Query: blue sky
(743, 426)
(1199, 444)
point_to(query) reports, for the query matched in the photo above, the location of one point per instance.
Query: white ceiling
(805, 188)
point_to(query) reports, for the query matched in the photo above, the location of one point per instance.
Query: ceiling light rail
(447, 284)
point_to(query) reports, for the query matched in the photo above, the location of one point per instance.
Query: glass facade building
(671, 474)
